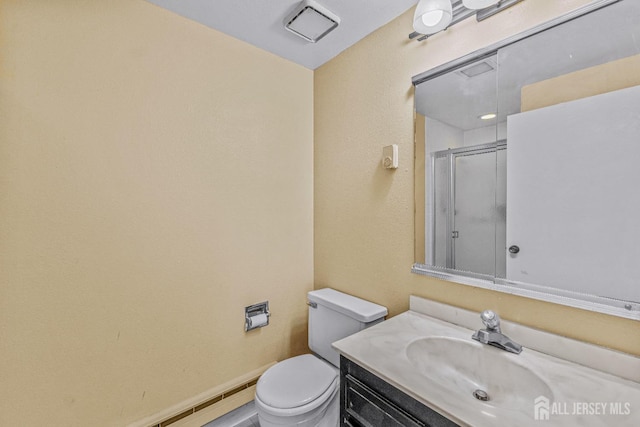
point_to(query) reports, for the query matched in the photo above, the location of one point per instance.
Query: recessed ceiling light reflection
(488, 116)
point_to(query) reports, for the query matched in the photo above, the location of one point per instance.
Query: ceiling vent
(311, 21)
(478, 68)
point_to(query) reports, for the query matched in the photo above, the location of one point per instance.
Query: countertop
(582, 396)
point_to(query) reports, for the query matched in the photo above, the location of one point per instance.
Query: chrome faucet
(492, 334)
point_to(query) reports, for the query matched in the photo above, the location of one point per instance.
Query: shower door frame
(450, 155)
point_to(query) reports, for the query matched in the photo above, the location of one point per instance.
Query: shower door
(469, 199)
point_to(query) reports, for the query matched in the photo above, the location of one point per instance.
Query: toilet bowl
(304, 391)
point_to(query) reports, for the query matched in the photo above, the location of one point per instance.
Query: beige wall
(615, 75)
(155, 178)
(364, 215)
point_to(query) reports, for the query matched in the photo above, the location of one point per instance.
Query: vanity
(422, 368)
(367, 400)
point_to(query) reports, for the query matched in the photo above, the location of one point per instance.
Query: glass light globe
(432, 16)
(431, 19)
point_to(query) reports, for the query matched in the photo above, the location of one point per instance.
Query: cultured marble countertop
(381, 349)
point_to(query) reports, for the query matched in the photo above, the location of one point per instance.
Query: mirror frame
(588, 302)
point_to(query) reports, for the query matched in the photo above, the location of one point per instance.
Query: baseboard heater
(202, 401)
(206, 404)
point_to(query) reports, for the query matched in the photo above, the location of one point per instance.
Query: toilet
(304, 391)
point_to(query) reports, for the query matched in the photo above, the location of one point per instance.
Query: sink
(437, 363)
(468, 366)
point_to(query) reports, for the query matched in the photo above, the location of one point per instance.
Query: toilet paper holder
(256, 316)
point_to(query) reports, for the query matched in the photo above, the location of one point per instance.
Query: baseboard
(210, 404)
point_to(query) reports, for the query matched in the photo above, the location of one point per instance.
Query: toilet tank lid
(356, 308)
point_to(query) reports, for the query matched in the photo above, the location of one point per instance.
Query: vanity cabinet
(368, 401)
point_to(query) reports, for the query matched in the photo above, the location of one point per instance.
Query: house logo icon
(541, 408)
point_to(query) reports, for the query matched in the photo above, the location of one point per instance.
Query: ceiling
(261, 23)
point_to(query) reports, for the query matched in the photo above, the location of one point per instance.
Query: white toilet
(304, 391)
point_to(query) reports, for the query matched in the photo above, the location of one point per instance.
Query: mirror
(531, 153)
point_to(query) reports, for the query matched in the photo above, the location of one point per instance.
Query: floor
(244, 416)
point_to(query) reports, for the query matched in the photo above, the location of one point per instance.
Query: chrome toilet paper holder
(256, 316)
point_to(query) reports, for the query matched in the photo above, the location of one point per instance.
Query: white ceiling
(261, 23)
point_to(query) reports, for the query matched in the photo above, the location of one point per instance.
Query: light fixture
(311, 21)
(432, 16)
(488, 116)
(478, 4)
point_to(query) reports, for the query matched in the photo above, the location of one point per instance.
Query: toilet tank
(334, 315)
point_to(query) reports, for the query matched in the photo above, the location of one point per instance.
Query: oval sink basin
(469, 366)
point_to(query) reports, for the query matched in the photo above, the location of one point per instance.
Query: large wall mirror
(528, 164)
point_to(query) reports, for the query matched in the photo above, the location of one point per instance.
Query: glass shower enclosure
(468, 209)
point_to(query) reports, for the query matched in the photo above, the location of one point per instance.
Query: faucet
(492, 335)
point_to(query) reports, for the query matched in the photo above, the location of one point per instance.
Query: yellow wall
(364, 214)
(615, 75)
(155, 178)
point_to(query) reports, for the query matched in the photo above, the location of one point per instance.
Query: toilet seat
(296, 386)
